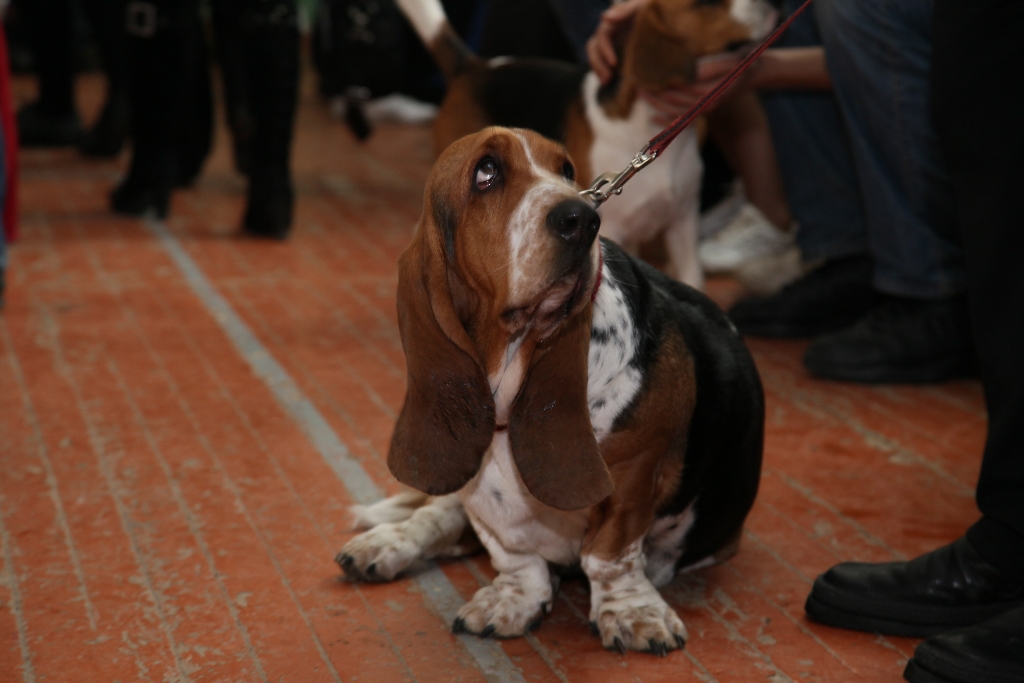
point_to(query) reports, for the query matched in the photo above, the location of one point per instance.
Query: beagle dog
(603, 128)
(569, 404)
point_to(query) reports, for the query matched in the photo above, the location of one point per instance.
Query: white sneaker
(721, 215)
(400, 109)
(749, 236)
(768, 274)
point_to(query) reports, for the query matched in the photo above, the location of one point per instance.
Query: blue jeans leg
(815, 159)
(879, 57)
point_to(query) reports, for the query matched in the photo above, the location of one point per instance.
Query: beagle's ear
(447, 421)
(550, 432)
(655, 57)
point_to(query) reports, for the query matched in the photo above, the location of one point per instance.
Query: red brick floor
(166, 516)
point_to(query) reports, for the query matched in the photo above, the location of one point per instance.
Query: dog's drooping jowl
(566, 403)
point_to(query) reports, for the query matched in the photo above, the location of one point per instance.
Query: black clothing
(978, 108)
(258, 44)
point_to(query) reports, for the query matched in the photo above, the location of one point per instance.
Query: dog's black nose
(575, 221)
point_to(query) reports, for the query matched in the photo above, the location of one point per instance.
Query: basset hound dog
(603, 128)
(566, 403)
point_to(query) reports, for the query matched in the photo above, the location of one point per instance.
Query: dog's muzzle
(574, 221)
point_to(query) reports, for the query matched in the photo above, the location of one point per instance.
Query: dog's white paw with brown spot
(511, 606)
(379, 554)
(643, 622)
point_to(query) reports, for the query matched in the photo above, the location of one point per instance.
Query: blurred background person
(52, 119)
(886, 298)
(258, 44)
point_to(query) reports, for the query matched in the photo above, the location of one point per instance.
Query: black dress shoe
(268, 213)
(991, 652)
(945, 589)
(899, 341)
(828, 298)
(142, 193)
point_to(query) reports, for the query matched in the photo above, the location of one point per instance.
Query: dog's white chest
(497, 501)
(612, 381)
(657, 195)
(499, 505)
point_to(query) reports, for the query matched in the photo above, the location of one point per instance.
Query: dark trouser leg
(107, 136)
(878, 54)
(815, 160)
(824, 194)
(971, 591)
(227, 23)
(978, 105)
(50, 26)
(270, 50)
(170, 101)
(51, 119)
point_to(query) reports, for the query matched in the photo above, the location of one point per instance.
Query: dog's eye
(486, 173)
(569, 172)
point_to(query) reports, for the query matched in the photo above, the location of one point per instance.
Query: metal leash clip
(608, 184)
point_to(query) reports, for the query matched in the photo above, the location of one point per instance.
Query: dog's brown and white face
(497, 280)
(523, 243)
(669, 36)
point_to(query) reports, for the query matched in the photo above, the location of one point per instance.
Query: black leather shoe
(945, 589)
(830, 297)
(137, 196)
(991, 652)
(899, 341)
(268, 212)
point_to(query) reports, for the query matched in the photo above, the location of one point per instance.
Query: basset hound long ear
(447, 421)
(550, 432)
(654, 56)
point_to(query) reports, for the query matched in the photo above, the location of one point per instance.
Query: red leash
(611, 183)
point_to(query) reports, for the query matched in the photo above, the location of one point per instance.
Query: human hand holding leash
(672, 102)
(611, 183)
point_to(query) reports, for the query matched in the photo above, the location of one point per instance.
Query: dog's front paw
(642, 622)
(512, 606)
(380, 554)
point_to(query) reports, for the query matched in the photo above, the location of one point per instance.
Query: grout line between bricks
(492, 660)
(105, 464)
(8, 575)
(51, 481)
(195, 525)
(266, 450)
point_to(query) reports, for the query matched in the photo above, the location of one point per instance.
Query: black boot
(947, 588)
(169, 86)
(828, 298)
(270, 41)
(899, 341)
